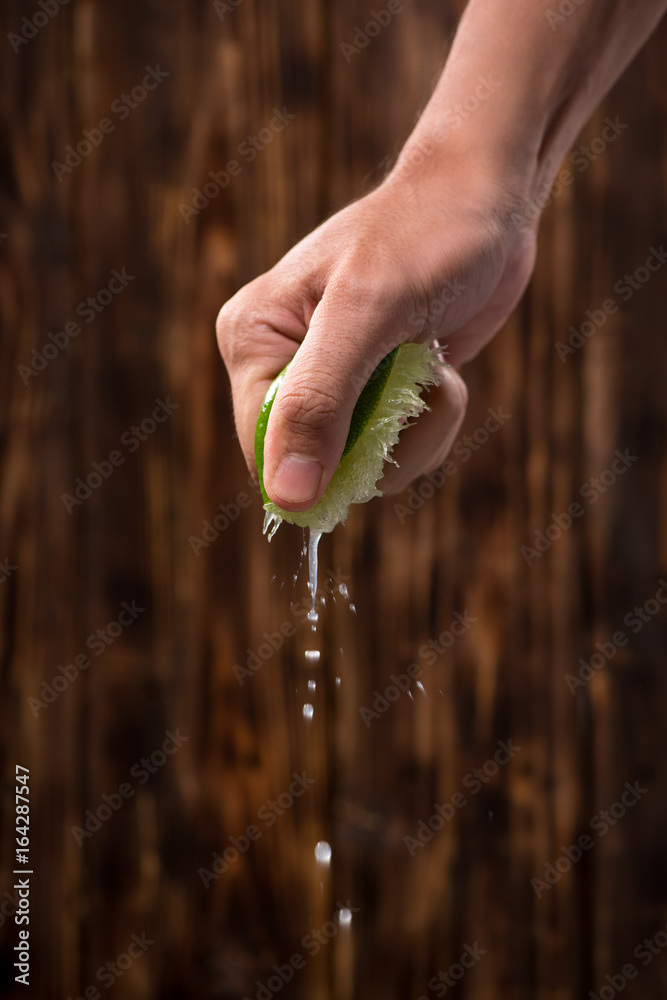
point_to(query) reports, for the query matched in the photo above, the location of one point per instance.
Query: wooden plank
(214, 597)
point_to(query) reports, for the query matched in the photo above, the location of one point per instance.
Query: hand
(433, 252)
(422, 257)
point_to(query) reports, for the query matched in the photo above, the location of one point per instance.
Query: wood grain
(175, 668)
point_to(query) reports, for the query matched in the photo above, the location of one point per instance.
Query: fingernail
(297, 479)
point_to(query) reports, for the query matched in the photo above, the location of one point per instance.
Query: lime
(390, 397)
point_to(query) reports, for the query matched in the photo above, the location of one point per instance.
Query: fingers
(348, 336)
(424, 444)
(255, 351)
(350, 331)
(335, 305)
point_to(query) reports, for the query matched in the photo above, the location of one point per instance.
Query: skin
(440, 230)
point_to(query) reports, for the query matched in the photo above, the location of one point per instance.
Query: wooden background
(173, 669)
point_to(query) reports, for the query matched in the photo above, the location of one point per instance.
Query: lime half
(388, 400)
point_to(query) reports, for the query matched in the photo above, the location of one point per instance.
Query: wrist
(515, 92)
(479, 161)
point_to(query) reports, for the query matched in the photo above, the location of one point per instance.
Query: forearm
(540, 73)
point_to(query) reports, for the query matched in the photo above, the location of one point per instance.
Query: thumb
(311, 414)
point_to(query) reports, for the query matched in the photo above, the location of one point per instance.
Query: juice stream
(313, 542)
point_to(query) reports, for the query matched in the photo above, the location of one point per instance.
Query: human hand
(417, 259)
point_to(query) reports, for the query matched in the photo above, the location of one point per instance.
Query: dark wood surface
(172, 669)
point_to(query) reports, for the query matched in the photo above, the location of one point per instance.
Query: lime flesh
(390, 397)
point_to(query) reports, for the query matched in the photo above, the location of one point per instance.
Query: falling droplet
(312, 685)
(345, 917)
(422, 689)
(313, 657)
(342, 589)
(353, 609)
(308, 711)
(338, 682)
(323, 852)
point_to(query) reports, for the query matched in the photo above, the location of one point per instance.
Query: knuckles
(228, 331)
(237, 322)
(304, 411)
